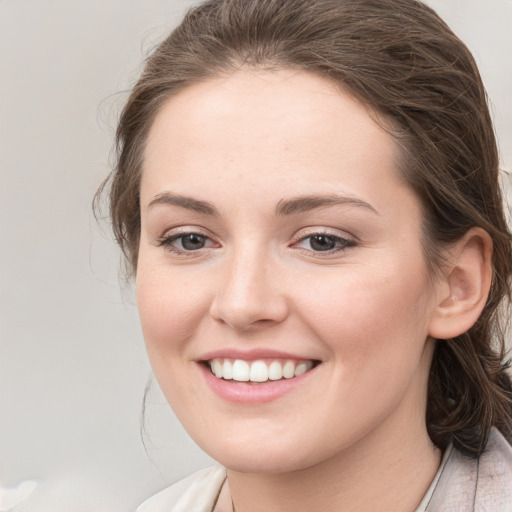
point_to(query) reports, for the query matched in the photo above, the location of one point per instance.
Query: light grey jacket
(460, 485)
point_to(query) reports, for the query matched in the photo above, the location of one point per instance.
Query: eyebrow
(291, 206)
(306, 203)
(186, 202)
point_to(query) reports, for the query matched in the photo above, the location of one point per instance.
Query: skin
(352, 436)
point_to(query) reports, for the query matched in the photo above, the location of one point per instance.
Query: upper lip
(252, 355)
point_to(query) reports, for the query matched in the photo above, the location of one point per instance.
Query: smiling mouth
(260, 370)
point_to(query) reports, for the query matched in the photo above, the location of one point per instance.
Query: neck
(387, 470)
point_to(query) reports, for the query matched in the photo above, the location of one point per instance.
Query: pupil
(322, 243)
(192, 242)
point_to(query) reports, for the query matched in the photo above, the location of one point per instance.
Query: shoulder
(494, 485)
(476, 484)
(196, 492)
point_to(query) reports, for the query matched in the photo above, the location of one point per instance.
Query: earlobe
(465, 286)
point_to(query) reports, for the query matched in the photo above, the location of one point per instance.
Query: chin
(260, 456)
(261, 462)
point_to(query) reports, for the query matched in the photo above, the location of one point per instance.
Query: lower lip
(252, 392)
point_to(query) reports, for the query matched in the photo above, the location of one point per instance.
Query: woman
(307, 195)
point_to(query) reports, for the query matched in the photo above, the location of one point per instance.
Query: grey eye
(323, 242)
(192, 241)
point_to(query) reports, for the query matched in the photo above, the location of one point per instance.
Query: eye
(185, 242)
(192, 241)
(325, 242)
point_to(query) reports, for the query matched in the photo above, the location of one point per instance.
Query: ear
(464, 286)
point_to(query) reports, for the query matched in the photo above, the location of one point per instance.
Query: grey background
(72, 363)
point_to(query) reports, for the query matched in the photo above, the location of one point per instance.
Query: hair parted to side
(401, 60)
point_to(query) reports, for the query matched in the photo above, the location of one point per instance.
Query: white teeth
(240, 370)
(257, 371)
(303, 368)
(275, 371)
(217, 368)
(289, 370)
(227, 369)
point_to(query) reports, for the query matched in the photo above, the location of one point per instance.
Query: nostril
(250, 311)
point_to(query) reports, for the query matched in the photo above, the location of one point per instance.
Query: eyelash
(167, 242)
(342, 243)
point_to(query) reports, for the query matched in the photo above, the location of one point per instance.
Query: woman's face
(278, 238)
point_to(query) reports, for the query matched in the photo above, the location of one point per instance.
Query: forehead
(267, 130)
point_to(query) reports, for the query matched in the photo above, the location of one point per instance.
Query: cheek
(369, 315)
(375, 329)
(170, 309)
(169, 319)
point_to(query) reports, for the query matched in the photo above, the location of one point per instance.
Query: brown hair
(399, 58)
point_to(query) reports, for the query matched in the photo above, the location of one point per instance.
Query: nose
(250, 294)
